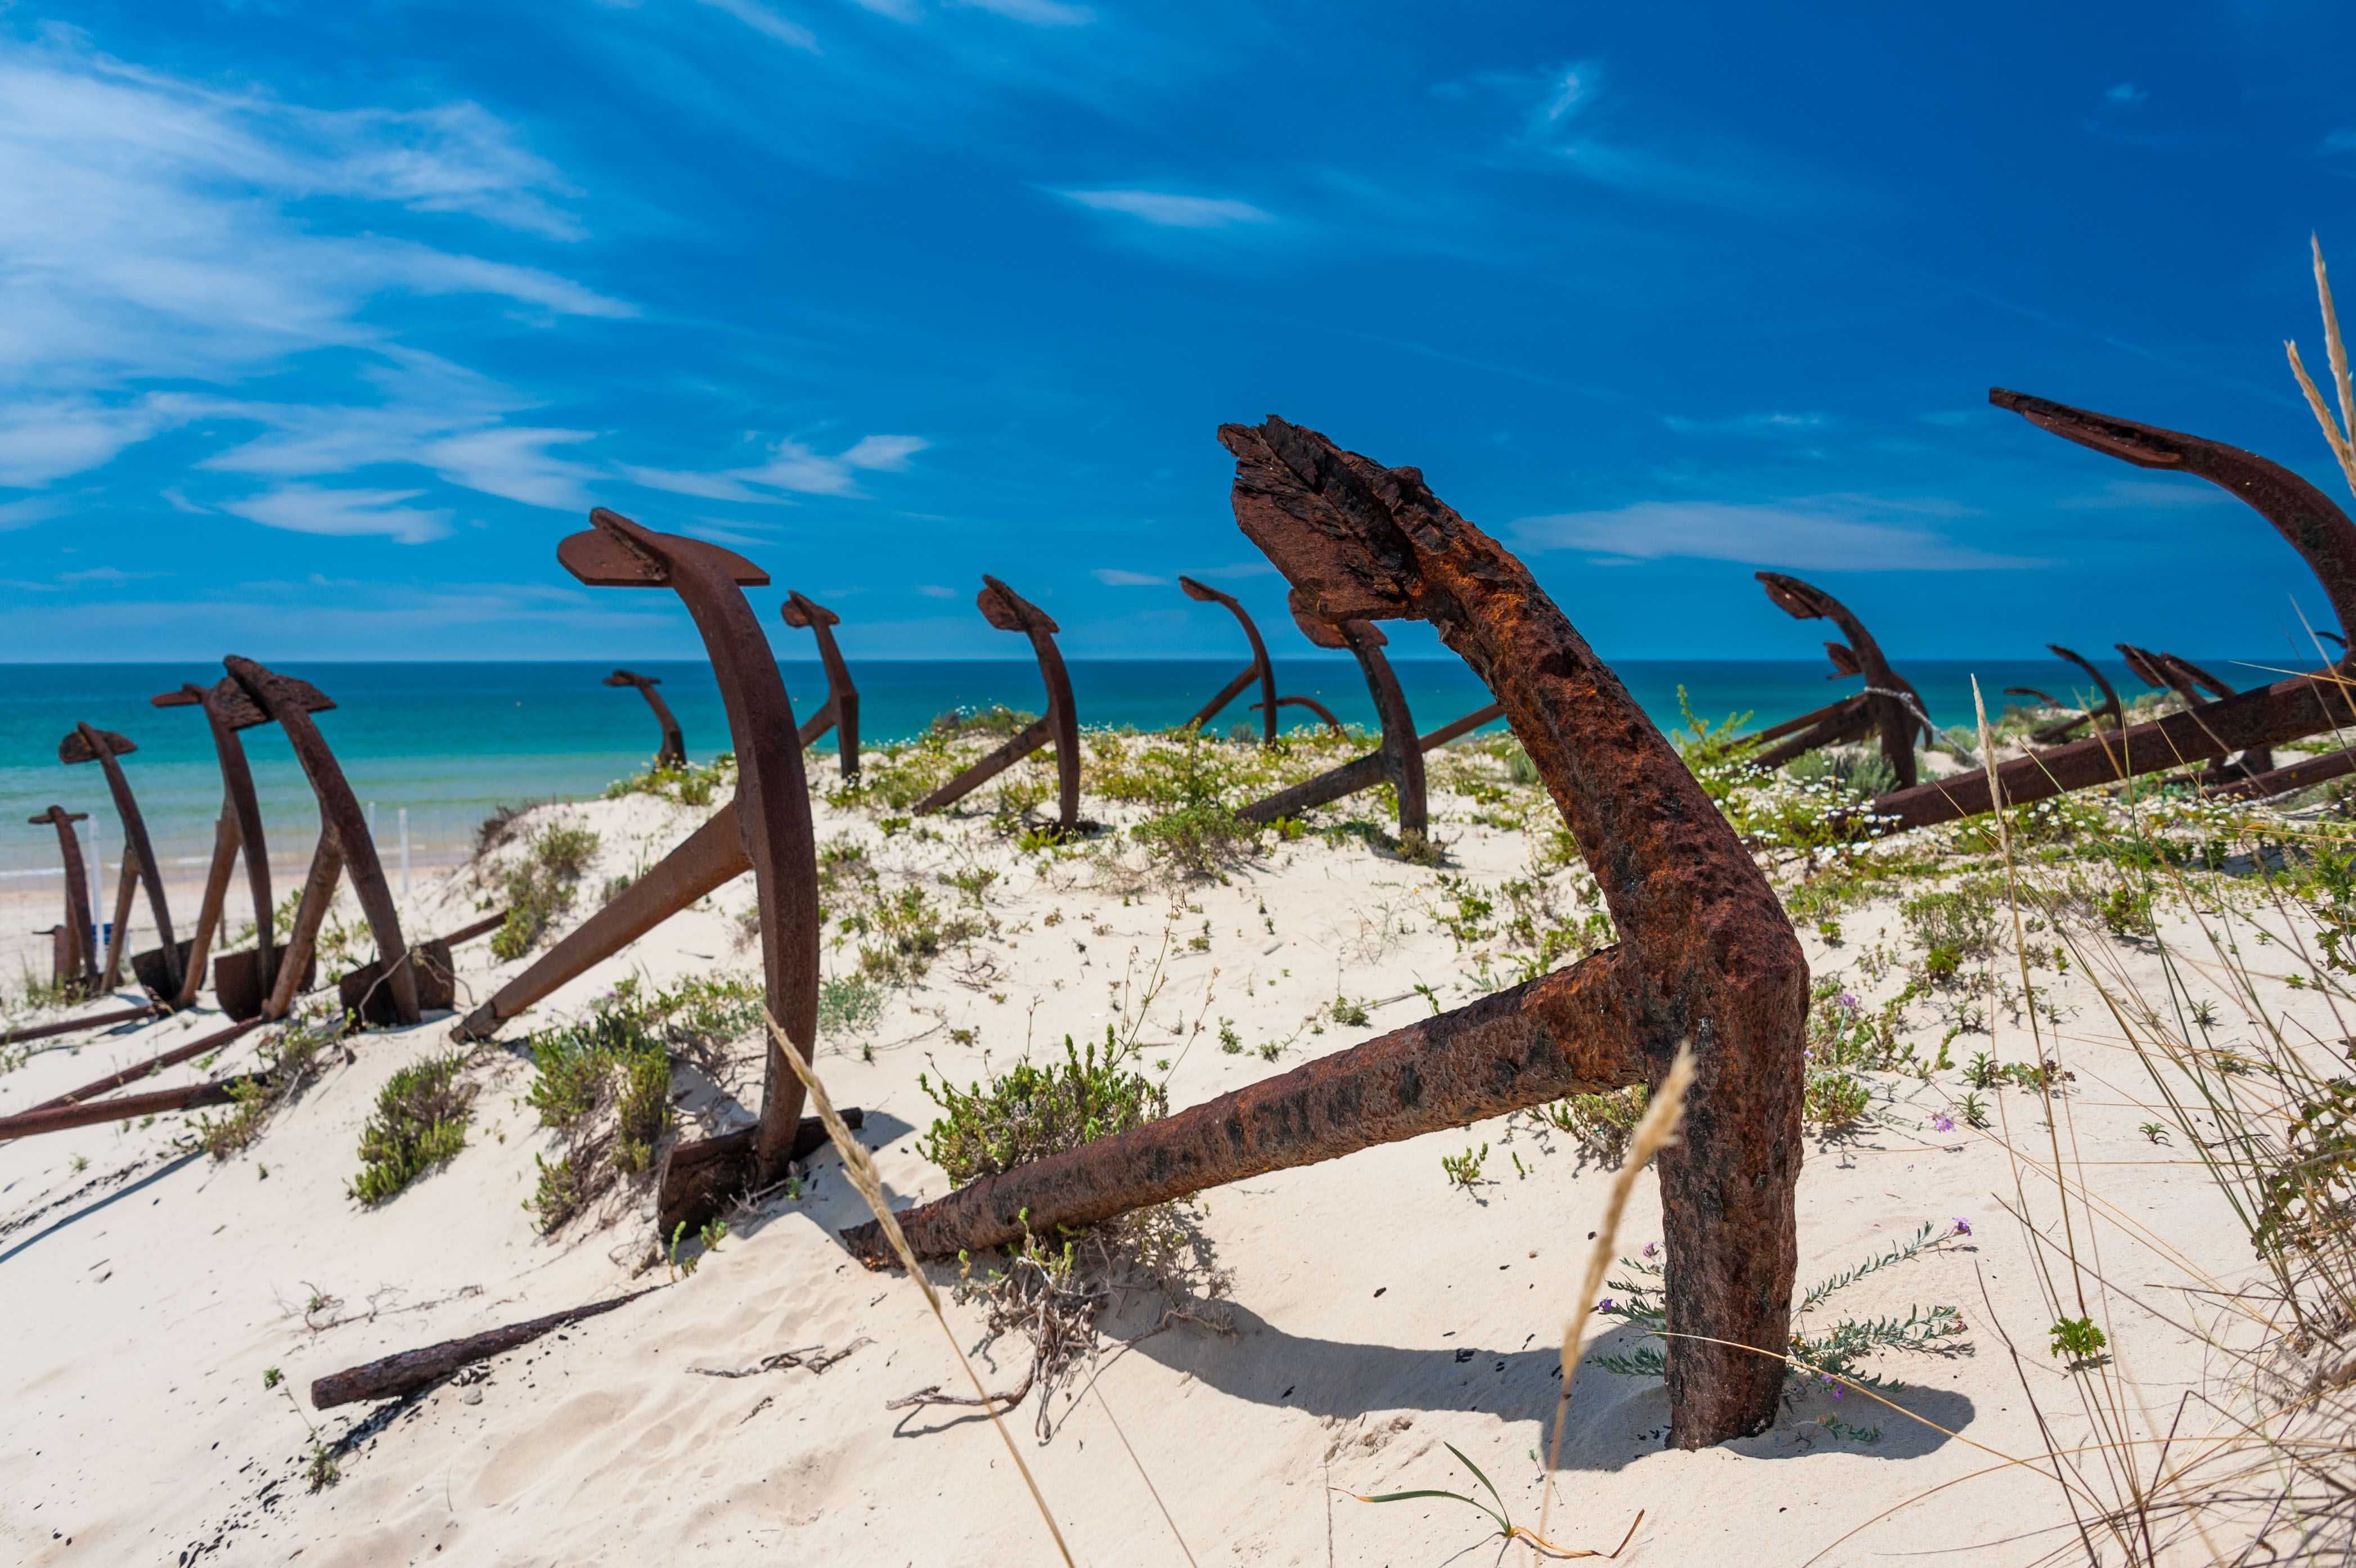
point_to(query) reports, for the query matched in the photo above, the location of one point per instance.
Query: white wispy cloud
(791, 467)
(2119, 495)
(1171, 210)
(1117, 577)
(344, 514)
(766, 21)
(2125, 93)
(105, 574)
(28, 511)
(1852, 533)
(148, 232)
(934, 591)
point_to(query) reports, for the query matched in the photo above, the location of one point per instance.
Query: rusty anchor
(238, 831)
(73, 961)
(84, 744)
(1059, 726)
(766, 830)
(1397, 760)
(2269, 715)
(1258, 669)
(345, 848)
(840, 712)
(2062, 729)
(1888, 706)
(1706, 956)
(673, 753)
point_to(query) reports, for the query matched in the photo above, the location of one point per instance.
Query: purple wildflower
(1962, 1227)
(1652, 1249)
(1942, 1123)
(1848, 1003)
(1603, 1306)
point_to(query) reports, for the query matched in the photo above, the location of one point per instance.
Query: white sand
(1379, 1310)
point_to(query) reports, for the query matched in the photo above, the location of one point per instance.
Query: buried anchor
(764, 829)
(1706, 957)
(840, 712)
(673, 753)
(1059, 726)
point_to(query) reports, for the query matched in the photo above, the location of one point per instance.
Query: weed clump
(420, 1122)
(539, 888)
(604, 1084)
(1053, 1290)
(290, 1060)
(687, 785)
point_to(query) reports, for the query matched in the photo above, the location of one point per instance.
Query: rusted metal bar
(1261, 669)
(2288, 710)
(765, 828)
(118, 937)
(394, 1377)
(1897, 710)
(842, 711)
(1850, 721)
(228, 711)
(124, 1107)
(1847, 708)
(1225, 694)
(2289, 778)
(673, 751)
(291, 703)
(1706, 955)
(1398, 759)
(84, 743)
(76, 956)
(155, 1064)
(700, 1179)
(1059, 726)
(68, 1026)
(1453, 728)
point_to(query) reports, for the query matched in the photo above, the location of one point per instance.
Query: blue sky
(320, 324)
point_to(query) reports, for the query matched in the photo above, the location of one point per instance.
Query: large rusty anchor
(238, 831)
(2288, 710)
(2062, 729)
(1059, 726)
(840, 714)
(73, 946)
(84, 744)
(1706, 956)
(766, 830)
(345, 848)
(1888, 706)
(1397, 759)
(673, 752)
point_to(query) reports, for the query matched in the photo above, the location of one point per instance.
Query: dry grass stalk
(2342, 436)
(1652, 1135)
(862, 1172)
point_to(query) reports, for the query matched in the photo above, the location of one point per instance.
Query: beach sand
(1377, 1311)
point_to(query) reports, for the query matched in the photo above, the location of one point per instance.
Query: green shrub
(1601, 1124)
(1031, 1111)
(538, 888)
(847, 1003)
(420, 1122)
(289, 1060)
(612, 1066)
(1199, 840)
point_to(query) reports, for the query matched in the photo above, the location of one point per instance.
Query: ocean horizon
(450, 742)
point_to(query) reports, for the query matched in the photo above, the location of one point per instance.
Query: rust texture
(840, 712)
(1059, 727)
(1259, 669)
(2288, 710)
(765, 828)
(2062, 729)
(344, 844)
(1325, 715)
(2198, 688)
(2290, 779)
(673, 752)
(228, 711)
(124, 1107)
(1707, 954)
(84, 743)
(94, 1021)
(75, 958)
(1894, 707)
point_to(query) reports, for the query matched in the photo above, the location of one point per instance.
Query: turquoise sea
(448, 742)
